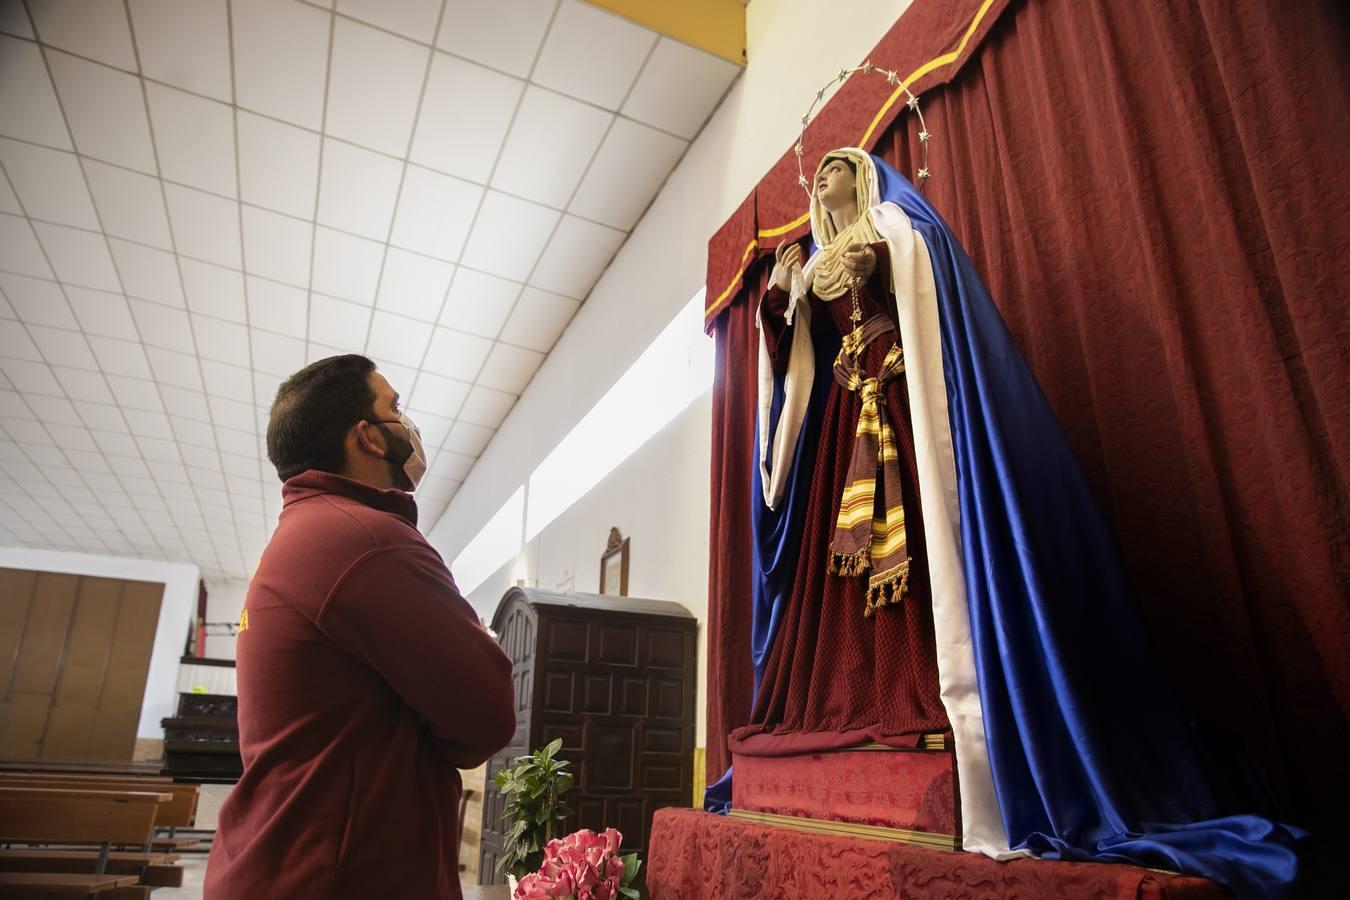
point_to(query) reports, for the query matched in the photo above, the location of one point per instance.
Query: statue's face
(835, 186)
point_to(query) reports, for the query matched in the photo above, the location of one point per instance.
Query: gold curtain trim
(851, 829)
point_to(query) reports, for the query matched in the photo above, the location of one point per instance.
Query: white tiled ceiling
(201, 196)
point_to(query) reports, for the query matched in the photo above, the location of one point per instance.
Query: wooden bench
(76, 816)
(154, 869)
(117, 767)
(43, 884)
(179, 812)
(154, 861)
(90, 777)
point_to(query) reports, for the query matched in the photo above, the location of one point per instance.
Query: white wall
(659, 497)
(224, 603)
(177, 610)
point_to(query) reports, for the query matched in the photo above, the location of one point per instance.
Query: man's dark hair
(312, 412)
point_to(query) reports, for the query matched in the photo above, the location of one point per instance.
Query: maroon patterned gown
(835, 678)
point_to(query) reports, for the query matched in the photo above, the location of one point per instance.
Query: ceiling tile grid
(199, 197)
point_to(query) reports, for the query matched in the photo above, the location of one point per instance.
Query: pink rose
(562, 887)
(608, 889)
(533, 887)
(612, 840)
(582, 866)
(580, 873)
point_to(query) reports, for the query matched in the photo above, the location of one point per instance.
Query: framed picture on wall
(614, 566)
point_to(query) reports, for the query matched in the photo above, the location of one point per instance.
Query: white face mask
(416, 465)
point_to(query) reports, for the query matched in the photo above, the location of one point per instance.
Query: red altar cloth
(911, 789)
(696, 854)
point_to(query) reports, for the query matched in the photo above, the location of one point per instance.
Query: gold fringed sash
(870, 536)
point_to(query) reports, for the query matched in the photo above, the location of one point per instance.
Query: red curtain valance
(927, 46)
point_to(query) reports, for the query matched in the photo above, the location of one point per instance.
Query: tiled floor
(208, 804)
(194, 872)
(194, 864)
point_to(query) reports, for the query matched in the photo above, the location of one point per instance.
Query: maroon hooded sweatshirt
(365, 681)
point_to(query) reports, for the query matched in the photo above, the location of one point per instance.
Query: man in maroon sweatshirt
(365, 678)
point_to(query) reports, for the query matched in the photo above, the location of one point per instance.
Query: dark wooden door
(619, 691)
(613, 678)
(517, 640)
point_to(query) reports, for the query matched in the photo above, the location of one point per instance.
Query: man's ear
(369, 439)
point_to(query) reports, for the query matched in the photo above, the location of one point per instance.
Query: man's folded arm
(398, 610)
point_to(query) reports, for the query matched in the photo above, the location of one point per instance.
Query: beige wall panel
(16, 591)
(70, 725)
(69, 729)
(25, 721)
(119, 708)
(114, 734)
(133, 639)
(74, 658)
(44, 634)
(90, 643)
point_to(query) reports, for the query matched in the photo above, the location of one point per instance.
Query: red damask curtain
(1155, 193)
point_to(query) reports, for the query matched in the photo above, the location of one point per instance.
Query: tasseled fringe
(849, 565)
(888, 589)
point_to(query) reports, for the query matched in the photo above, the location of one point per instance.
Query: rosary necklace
(853, 342)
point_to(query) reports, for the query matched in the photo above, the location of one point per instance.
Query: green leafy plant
(533, 786)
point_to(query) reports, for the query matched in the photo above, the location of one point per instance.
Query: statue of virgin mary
(929, 557)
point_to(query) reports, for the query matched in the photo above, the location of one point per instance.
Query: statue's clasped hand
(786, 257)
(860, 261)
